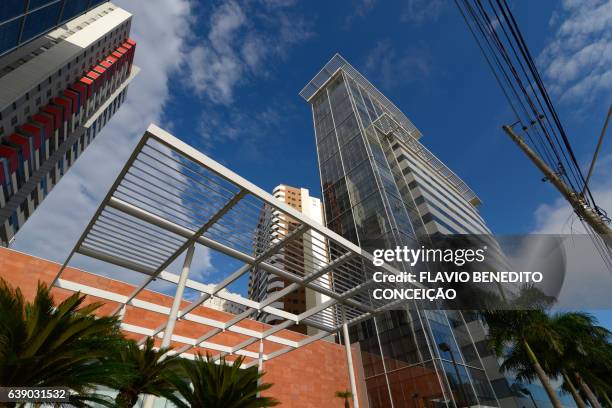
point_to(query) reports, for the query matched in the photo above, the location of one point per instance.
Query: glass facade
(24, 20)
(411, 358)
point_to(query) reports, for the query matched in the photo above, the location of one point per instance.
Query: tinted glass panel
(74, 8)
(331, 171)
(347, 129)
(336, 199)
(354, 153)
(8, 34)
(11, 8)
(40, 21)
(327, 146)
(34, 4)
(361, 182)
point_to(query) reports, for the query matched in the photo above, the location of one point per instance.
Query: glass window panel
(378, 392)
(397, 337)
(74, 8)
(342, 110)
(353, 153)
(323, 125)
(369, 106)
(347, 129)
(401, 216)
(40, 21)
(371, 221)
(459, 382)
(336, 199)
(9, 34)
(377, 107)
(387, 179)
(321, 106)
(11, 8)
(34, 4)
(363, 115)
(331, 171)
(377, 151)
(327, 146)
(484, 391)
(416, 387)
(343, 225)
(337, 91)
(361, 182)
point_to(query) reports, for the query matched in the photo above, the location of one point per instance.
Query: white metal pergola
(167, 199)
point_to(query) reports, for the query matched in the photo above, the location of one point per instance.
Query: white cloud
(160, 28)
(391, 68)
(587, 282)
(239, 40)
(578, 60)
(418, 12)
(360, 9)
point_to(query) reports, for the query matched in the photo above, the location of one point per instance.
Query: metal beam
(149, 400)
(191, 240)
(185, 232)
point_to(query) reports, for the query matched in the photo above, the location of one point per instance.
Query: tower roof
(338, 63)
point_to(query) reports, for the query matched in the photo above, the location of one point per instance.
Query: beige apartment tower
(275, 225)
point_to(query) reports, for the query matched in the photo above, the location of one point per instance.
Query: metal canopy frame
(168, 198)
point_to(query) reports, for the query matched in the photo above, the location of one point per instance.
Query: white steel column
(176, 304)
(261, 353)
(178, 297)
(349, 363)
(260, 362)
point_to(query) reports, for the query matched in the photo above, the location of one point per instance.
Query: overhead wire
(503, 46)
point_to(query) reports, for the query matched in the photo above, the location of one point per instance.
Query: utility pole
(576, 200)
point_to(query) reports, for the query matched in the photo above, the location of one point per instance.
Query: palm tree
(512, 332)
(222, 385)
(586, 357)
(151, 372)
(48, 345)
(517, 361)
(345, 395)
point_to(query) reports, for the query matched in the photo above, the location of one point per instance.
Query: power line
(501, 42)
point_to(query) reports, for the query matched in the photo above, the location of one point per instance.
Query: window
(9, 32)
(14, 120)
(40, 20)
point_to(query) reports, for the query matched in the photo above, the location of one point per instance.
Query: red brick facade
(304, 378)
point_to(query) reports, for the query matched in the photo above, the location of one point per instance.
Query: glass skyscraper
(381, 189)
(24, 20)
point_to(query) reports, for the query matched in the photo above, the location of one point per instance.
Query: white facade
(56, 93)
(223, 305)
(274, 227)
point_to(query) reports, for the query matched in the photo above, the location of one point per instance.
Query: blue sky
(418, 53)
(224, 76)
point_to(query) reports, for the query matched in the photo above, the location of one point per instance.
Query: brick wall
(304, 378)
